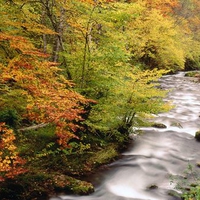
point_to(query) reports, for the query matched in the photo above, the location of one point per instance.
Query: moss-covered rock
(176, 124)
(198, 164)
(159, 125)
(174, 194)
(197, 135)
(152, 187)
(64, 183)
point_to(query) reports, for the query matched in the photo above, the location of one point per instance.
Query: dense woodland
(75, 76)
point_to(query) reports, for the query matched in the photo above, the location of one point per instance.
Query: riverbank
(51, 170)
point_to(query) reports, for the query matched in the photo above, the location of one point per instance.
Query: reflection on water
(144, 170)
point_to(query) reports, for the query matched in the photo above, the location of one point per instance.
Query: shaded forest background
(77, 74)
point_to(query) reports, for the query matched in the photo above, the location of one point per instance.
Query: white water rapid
(143, 172)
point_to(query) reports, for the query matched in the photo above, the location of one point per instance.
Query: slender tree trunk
(59, 38)
(57, 24)
(34, 127)
(44, 37)
(69, 76)
(56, 50)
(84, 61)
(86, 50)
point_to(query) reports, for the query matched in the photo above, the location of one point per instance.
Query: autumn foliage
(49, 95)
(165, 7)
(36, 89)
(49, 99)
(110, 49)
(10, 162)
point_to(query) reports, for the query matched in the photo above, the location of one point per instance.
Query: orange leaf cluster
(52, 101)
(49, 95)
(165, 7)
(21, 44)
(10, 162)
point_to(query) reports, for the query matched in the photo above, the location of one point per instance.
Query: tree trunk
(33, 127)
(59, 41)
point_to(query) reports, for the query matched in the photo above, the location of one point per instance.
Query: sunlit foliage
(57, 55)
(11, 164)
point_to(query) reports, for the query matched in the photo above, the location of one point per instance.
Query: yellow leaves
(77, 25)
(21, 18)
(9, 160)
(154, 39)
(31, 27)
(12, 148)
(101, 3)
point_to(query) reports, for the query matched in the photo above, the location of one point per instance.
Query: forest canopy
(87, 69)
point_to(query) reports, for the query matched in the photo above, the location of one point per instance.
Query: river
(144, 171)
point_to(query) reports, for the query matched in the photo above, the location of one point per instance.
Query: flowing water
(143, 172)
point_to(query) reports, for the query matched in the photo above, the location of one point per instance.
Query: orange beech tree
(32, 88)
(50, 98)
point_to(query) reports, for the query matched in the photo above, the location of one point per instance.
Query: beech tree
(27, 74)
(187, 17)
(49, 97)
(155, 41)
(32, 87)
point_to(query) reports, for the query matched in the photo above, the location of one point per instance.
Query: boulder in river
(153, 186)
(159, 125)
(197, 135)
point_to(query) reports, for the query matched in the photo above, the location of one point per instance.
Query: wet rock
(174, 194)
(193, 185)
(176, 124)
(198, 164)
(197, 135)
(159, 125)
(152, 187)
